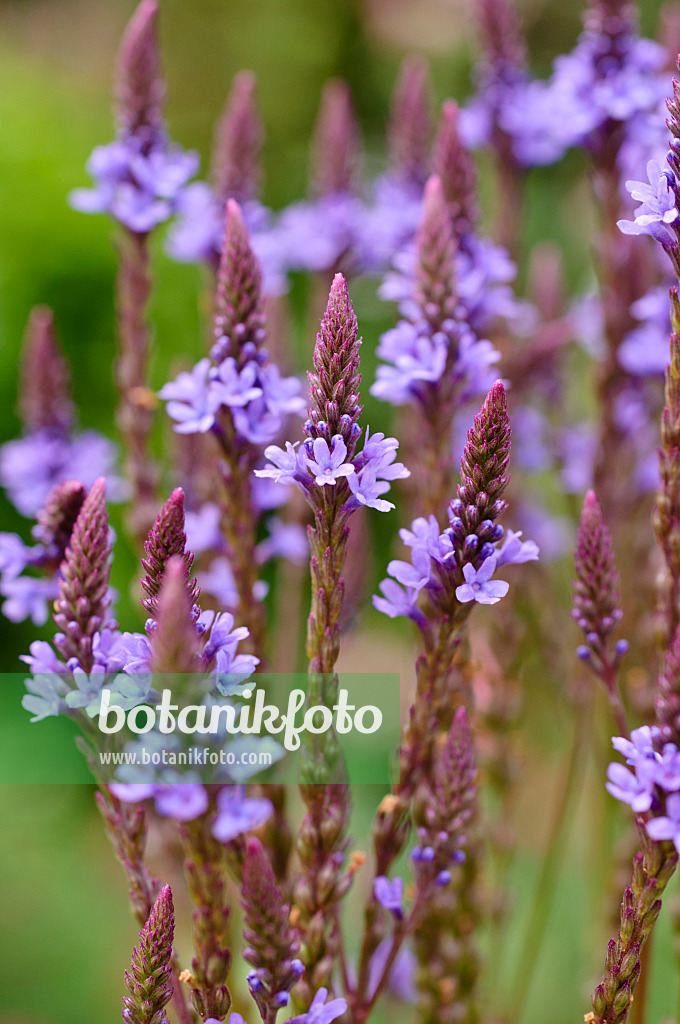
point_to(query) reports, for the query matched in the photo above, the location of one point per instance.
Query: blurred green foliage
(65, 932)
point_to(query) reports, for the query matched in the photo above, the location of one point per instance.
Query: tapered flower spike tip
(502, 36)
(336, 143)
(149, 980)
(56, 521)
(596, 587)
(455, 167)
(334, 382)
(238, 142)
(139, 88)
(167, 539)
(44, 394)
(239, 306)
(174, 640)
(408, 135)
(80, 609)
(486, 456)
(436, 251)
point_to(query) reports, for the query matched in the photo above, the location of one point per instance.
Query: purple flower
(288, 467)
(138, 187)
(88, 690)
(514, 551)
(285, 540)
(396, 600)
(28, 598)
(328, 464)
(479, 586)
(233, 387)
(15, 555)
(182, 801)
(390, 894)
(192, 402)
(223, 639)
(667, 826)
(658, 201)
(32, 466)
(627, 787)
(45, 697)
(321, 1012)
(367, 490)
(42, 660)
(202, 528)
(237, 814)
(416, 575)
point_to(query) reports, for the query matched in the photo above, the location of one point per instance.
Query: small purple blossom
(515, 551)
(237, 814)
(658, 203)
(479, 586)
(328, 464)
(192, 402)
(390, 894)
(321, 1012)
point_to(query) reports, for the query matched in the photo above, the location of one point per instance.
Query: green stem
(552, 863)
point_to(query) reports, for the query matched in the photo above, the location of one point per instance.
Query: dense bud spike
(502, 38)
(166, 539)
(436, 249)
(336, 142)
(239, 307)
(484, 465)
(668, 697)
(174, 640)
(610, 18)
(80, 609)
(44, 394)
(140, 90)
(334, 382)
(55, 522)
(596, 596)
(408, 134)
(149, 980)
(455, 167)
(238, 142)
(271, 944)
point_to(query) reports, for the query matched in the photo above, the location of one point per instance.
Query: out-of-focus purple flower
(15, 555)
(42, 659)
(397, 600)
(625, 786)
(45, 697)
(415, 575)
(644, 350)
(390, 894)
(667, 826)
(138, 186)
(203, 528)
(285, 540)
(232, 386)
(401, 981)
(192, 402)
(514, 551)
(219, 652)
(479, 586)
(237, 813)
(181, 801)
(27, 597)
(578, 448)
(32, 466)
(321, 1012)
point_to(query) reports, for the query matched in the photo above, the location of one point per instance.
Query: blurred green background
(65, 930)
